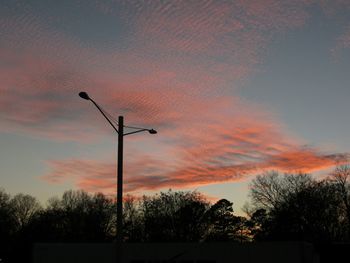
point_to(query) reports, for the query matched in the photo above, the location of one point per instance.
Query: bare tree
(132, 217)
(25, 207)
(298, 207)
(271, 188)
(341, 178)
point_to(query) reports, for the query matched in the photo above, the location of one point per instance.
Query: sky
(234, 88)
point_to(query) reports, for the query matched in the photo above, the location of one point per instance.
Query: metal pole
(120, 180)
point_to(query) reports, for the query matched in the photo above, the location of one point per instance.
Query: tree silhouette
(223, 225)
(270, 189)
(25, 208)
(296, 207)
(341, 177)
(87, 217)
(174, 216)
(7, 225)
(257, 224)
(283, 207)
(132, 220)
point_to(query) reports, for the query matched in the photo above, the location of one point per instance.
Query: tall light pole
(121, 134)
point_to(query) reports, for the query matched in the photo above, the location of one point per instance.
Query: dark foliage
(290, 207)
(174, 216)
(82, 217)
(300, 208)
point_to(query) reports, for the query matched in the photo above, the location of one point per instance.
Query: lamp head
(152, 131)
(84, 95)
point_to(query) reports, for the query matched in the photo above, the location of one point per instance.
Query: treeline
(288, 207)
(297, 207)
(81, 217)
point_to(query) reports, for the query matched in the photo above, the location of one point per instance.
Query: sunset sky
(233, 88)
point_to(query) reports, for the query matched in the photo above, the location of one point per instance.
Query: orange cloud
(153, 174)
(304, 160)
(175, 49)
(176, 70)
(199, 155)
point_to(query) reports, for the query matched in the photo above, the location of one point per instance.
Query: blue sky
(233, 87)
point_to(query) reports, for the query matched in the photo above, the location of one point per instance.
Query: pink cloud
(152, 174)
(179, 73)
(226, 150)
(176, 48)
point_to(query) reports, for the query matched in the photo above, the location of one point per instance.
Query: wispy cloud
(151, 174)
(178, 68)
(198, 152)
(175, 50)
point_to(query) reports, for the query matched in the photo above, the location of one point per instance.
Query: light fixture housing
(152, 131)
(84, 95)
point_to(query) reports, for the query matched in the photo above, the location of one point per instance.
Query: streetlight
(121, 134)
